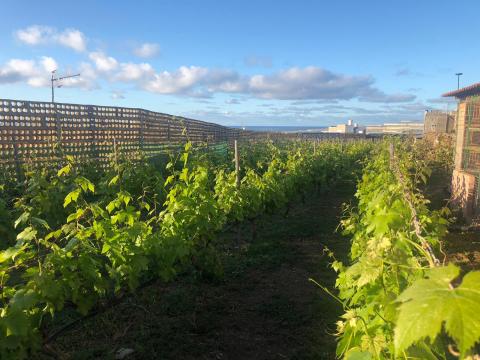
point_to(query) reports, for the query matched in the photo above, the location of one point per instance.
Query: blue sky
(309, 63)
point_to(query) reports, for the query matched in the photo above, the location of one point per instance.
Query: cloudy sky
(310, 63)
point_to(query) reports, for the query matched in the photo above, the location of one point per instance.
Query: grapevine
(84, 236)
(400, 301)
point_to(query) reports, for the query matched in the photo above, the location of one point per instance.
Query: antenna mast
(56, 79)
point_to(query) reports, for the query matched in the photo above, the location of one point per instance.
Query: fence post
(392, 155)
(237, 163)
(115, 153)
(18, 168)
(142, 129)
(93, 135)
(168, 129)
(58, 125)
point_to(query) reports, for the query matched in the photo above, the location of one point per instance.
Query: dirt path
(265, 308)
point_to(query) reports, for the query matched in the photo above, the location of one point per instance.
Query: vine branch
(432, 259)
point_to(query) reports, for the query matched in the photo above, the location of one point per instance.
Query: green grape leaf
(22, 219)
(72, 196)
(71, 244)
(357, 354)
(40, 222)
(27, 234)
(10, 253)
(114, 180)
(65, 170)
(24, 299)
(105, 248)
(429, 303)
(15, 323)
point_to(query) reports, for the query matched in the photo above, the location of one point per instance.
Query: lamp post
(54, 79)
(458, 79)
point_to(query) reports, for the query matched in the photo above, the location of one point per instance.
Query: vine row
(80, 236)
(400, 301)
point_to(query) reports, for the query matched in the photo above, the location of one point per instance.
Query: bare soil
(265, 307)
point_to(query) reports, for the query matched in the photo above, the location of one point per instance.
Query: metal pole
(53, 79)
(458, 79)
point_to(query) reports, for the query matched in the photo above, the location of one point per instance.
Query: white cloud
(17, 70)
(147, 50)
(36, 73)
(302, 84)
(314, 83)
(88, 79)
(134, 72)
(39, 35)
(307, 83)
(72, 38)
(180, 81)
(38, 81)
(103, 62)
(49, 63)
(34, 35)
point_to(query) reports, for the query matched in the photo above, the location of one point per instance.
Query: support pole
(237, 163)
(115, 155)
(16, 157)
(392, 156)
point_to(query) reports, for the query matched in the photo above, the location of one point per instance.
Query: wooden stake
(115, 158)
(237, 163)
(392, 155)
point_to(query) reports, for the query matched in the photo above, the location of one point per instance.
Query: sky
(244, 63)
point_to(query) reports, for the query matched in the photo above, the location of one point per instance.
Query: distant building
(401, 128)
(465, 192)
(348, 128)
(439, 122)
(374, 129)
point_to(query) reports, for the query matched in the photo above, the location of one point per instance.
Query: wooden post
(14, 143)
(115, 158)
(142, 129)
(168, 129)
(58, 125)
(392, 155)
(237, 163)
(93, 133)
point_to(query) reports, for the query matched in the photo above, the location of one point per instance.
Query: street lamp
(458, 79)
(54, 79)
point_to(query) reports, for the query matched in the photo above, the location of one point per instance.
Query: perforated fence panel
(40, 132)
(35, 131)
(470, 146)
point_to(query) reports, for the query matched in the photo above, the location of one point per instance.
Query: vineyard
(80, 241)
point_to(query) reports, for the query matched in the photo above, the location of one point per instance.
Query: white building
(348, 128)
